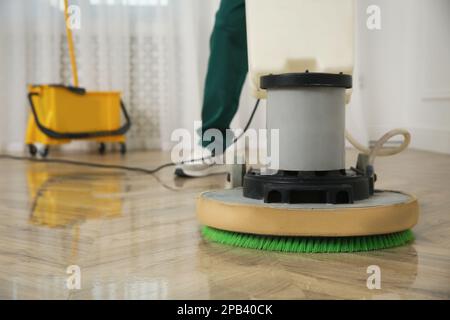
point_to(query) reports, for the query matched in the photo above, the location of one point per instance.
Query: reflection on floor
(135, 237)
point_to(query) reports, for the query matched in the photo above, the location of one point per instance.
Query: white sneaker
(195, 167)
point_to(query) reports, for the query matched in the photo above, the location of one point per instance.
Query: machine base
(384, 212)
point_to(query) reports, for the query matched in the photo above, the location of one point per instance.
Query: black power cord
(120, 167)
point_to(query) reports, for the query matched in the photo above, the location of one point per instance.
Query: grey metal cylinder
(311, 124)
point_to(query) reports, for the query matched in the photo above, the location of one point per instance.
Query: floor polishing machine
(313, 202)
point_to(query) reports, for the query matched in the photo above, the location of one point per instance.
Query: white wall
(404, 70)
(401, 75)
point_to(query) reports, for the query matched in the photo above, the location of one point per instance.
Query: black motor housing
(334, 187)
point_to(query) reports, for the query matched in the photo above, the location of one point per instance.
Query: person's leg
(227, 67)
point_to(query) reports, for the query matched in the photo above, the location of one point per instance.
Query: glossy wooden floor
(135, 236)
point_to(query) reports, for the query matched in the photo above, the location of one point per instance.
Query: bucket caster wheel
(123, 148)
(32, 150)
(102, 148)
(44, 151)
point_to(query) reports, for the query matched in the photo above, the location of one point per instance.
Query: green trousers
(227, 67)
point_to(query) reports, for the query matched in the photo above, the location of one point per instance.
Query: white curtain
(154, 51)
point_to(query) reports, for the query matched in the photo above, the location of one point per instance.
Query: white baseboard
(427, 139)
(436, 140)
(13, 147)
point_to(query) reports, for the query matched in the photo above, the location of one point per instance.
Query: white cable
(378, 149)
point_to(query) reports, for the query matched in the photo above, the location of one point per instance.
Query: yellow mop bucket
(62, 113)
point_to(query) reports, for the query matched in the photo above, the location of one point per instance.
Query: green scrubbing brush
(308, 244)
